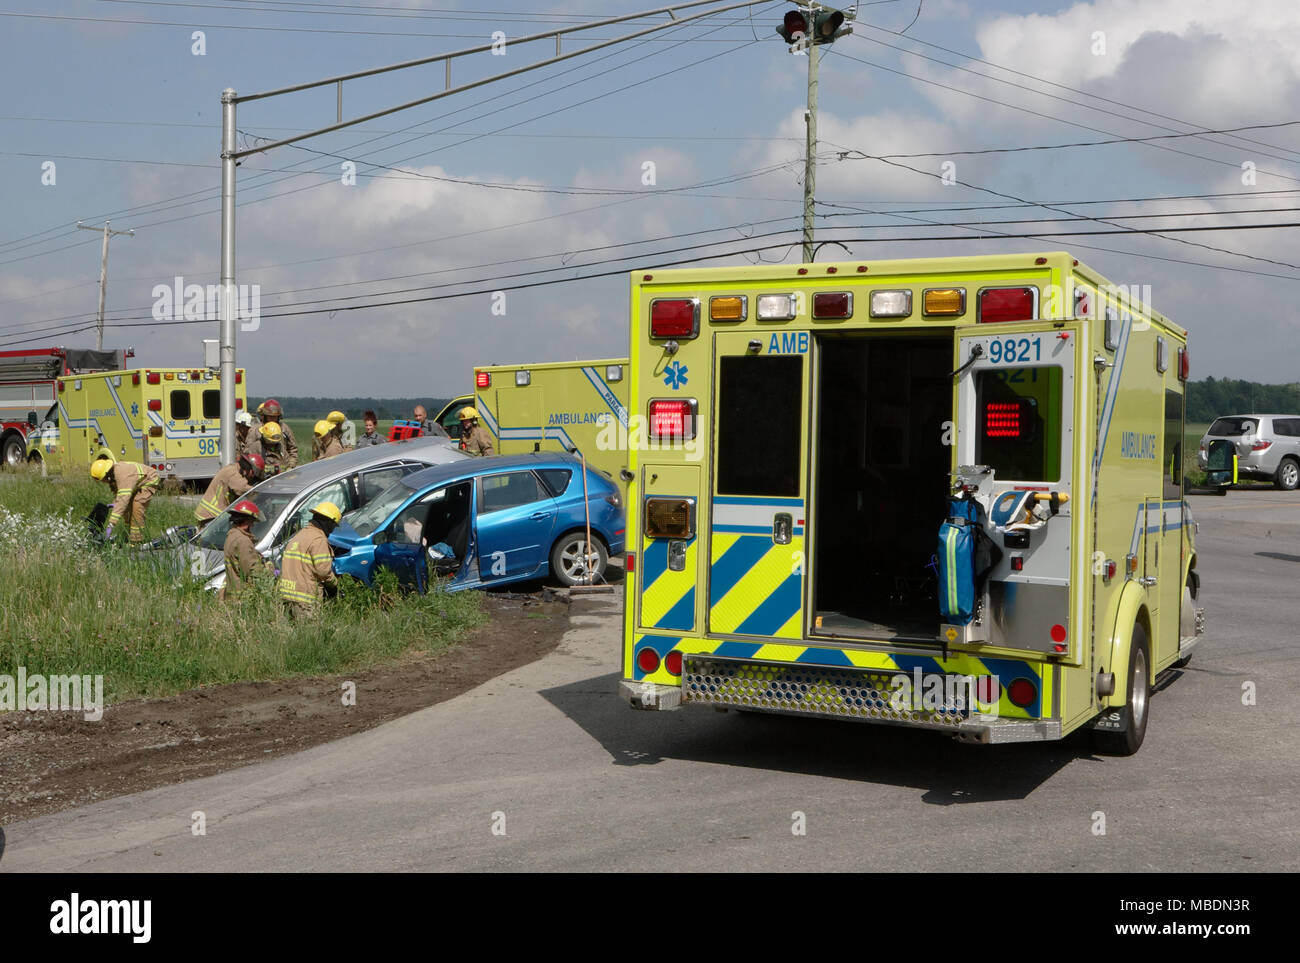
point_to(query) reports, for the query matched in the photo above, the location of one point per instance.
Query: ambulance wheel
(13, 451)
(1288, 475)
(568, 564)
(1129, 740)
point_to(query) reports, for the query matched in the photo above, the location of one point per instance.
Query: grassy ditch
(140, 621)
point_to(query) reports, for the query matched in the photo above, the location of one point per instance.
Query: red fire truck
(28, 387)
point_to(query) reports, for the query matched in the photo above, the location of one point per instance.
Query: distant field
(303, 428)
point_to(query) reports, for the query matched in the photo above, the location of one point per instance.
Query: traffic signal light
(826, 26)
(794, 28)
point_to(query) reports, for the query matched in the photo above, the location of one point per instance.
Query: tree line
(1214, 397)
(386, 409)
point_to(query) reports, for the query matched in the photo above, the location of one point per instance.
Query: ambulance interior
(882, 482)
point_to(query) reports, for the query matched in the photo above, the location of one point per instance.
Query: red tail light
(647, 660)
(1260, 445)
(135, 378)
(672, 418)
(61, 387)
(673, 662)
(677, 318)
(832, 305)
(153, 377)
(1006, 304)
(155, 404)
(1022, 693)
(482, 379)
(629, 562)
(1184, 364)
(239, 377)
(239, 402)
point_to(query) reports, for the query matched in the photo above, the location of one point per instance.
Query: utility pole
(103, 276)
(806, 29)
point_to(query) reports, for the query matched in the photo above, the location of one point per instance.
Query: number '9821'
(1015, 350)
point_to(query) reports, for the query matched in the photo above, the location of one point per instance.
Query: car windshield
(1233, 426)
(367, 519)
(270, 504)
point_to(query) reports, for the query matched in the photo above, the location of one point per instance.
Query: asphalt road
(546, 769)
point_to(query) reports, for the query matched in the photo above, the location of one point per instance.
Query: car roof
(491, 463)
(430, 450)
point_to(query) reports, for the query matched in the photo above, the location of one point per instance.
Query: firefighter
(134, 485)
(271, 412)
(270, 445)
(327, 438)
(242, 558)
(229, 483)
(473, 439)
(307, 569)
(243, 432)
(347, 431)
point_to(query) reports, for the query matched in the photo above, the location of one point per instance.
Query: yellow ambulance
(943, 493)
(169, 418)
(563, 405)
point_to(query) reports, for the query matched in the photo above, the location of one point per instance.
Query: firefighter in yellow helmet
(347, 430)
(271, 413)
(133, 485)
(473, 439)
(328, 437)
(270, 445)
(243, 561)
(307, 569)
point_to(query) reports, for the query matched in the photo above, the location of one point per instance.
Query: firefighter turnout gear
(134, 485)
(242, 558)
(269, 444)
(473, 439)
(307, 569)
(228, 483)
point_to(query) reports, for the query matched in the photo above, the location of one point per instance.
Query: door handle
(782, 528)
(1147, 580)
(538, 516)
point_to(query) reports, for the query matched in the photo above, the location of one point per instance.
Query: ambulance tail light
(62, 386)
(673, 418)
(135, 378)
(1007, 304)
(832, 305)
(239, 402)
(482, 379)
(1022, 693)
(673, 662)
(153, 377)
(1184, 365)
(944, 302)
(647, 660)
(670, 517)
(239, 377)
(629, 563)
(155, 404)
(675, 318)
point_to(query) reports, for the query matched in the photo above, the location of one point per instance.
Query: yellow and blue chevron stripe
(755, 584)
(667, 597)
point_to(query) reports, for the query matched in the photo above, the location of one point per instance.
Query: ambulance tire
(1288, 475)
(567, 564)
(1137, 706)
(13, 451)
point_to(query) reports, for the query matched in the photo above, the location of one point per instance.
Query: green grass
(303, 430)
(69, 607)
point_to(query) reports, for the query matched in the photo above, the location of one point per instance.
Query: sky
(508, 217)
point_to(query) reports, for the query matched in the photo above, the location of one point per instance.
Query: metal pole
(810, 155)
(103, 285)
(228, 295)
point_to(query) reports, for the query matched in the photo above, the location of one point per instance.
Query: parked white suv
(1268, 446)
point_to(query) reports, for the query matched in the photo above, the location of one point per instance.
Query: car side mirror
(31, 419)
(379, 538)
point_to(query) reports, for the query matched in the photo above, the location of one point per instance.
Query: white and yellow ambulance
(556, 406)
(169, 418)
(809, 444)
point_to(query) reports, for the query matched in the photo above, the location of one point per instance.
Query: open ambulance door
(758, 485)
(1016, 415)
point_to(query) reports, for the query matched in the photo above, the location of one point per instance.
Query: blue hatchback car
(484, 522)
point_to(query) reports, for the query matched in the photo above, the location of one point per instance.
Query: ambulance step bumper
(651, 695)
(864, 695)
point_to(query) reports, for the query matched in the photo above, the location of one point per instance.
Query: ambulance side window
(212, 404)
(1018, 431)
(1173, 463)
(180, 403)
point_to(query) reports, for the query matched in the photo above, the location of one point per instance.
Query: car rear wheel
(1288, 475)
(1128, 740)
(570, 559)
